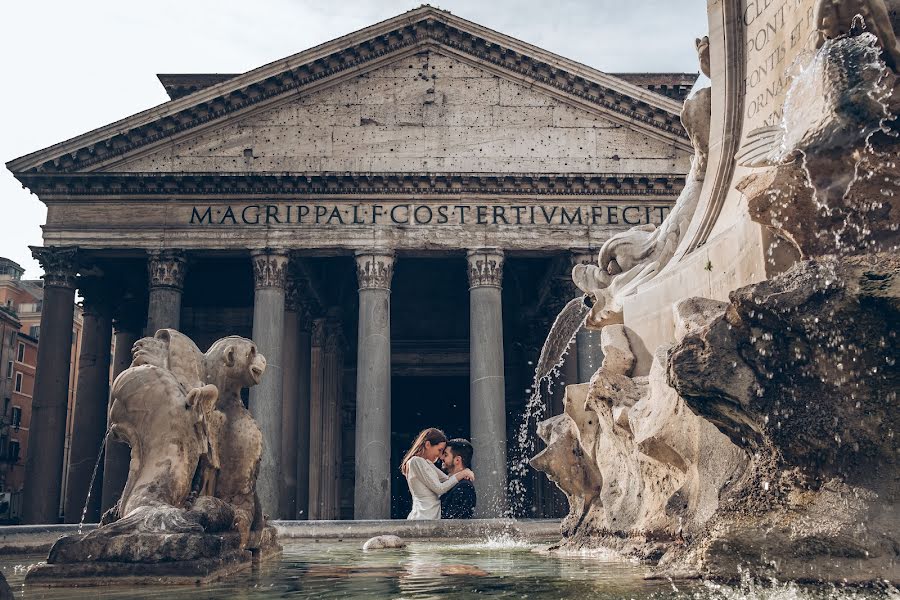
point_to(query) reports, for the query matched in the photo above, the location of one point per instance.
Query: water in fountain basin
(445, 569)
(560, 337)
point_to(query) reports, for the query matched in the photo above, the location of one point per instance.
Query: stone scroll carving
(633, 257)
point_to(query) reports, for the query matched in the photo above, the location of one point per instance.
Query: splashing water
(87, 500)
(561, 336)
(832, 109)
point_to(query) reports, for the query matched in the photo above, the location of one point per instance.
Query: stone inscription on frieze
(423, 214)
(776, 34)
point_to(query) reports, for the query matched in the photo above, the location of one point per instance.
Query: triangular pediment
(525, 73)
(423, 112)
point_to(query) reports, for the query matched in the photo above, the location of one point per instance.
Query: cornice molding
(218, 184)
(416, 28)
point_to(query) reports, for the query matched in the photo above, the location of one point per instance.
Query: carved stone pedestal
(134, 558)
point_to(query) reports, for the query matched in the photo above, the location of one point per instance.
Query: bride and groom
(436, 493)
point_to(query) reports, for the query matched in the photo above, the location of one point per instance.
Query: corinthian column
(486, 380)
(269, 271)
(117, 456)
(316, 409)
(89, 418)
(166, 269)
(331, 417)
(44, 464)
(372, 494)
(290, 400)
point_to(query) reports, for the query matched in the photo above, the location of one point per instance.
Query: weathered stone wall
(426, 112)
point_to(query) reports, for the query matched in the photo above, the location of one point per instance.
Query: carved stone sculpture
(764, 439)
(640, 470)
(829, 160)
(633, 257)
(799, 371)
(190, 497)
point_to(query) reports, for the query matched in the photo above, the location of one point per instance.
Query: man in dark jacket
(458, 503)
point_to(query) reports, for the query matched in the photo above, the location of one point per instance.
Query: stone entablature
(62, 186)
(335, 225)
(398, 37)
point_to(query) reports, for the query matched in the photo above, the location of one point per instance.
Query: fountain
(742, 427)
(189, 511)
(758, 432)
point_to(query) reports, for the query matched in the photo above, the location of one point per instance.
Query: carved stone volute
(485, 268)
(60, 265)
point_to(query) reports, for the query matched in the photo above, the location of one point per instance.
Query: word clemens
(426, 214)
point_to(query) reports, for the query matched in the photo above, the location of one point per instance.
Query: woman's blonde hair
(432, 435)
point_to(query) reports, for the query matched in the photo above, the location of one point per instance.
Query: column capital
(374, 269)
(317, 332)
(269, 268)
(128, 316)
(298, 298)
(167, 268)
(99, 296)
(485, 267)
(60, 264)
(334, 335)
(292, 295)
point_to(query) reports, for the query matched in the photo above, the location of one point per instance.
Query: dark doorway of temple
(417, 403)
(429, 357)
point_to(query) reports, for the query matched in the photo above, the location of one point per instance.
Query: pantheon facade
(391, 216)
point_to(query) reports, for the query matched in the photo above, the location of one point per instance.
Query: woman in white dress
(426, 482)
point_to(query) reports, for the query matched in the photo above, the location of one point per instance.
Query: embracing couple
(436, 493)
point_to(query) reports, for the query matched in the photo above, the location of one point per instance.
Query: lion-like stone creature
(190, 498)
(230, 469)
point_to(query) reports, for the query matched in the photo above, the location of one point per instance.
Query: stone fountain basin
(29, 539)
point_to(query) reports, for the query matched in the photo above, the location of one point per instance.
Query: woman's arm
(431, 476)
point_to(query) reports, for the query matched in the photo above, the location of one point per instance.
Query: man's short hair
(463, 449)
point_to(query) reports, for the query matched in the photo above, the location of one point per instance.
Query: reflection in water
(499, 568)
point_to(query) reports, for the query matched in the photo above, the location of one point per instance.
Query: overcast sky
(71, 66)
